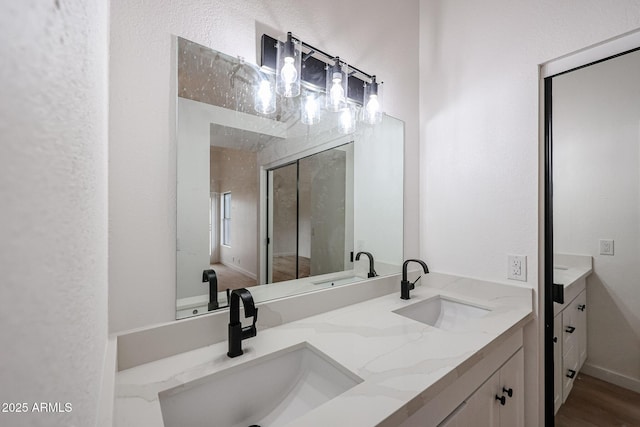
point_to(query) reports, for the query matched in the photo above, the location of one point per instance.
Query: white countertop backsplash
(398, 358)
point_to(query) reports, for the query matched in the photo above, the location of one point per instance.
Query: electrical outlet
(517, 267)
(606, 246)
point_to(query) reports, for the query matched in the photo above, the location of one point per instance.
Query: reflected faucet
(405, 285)
(372, 271)
(236, 332)
(211, 277)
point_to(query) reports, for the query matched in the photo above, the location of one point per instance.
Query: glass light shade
(288, 66)
(310, 109)
(337, 86)
(264, 97)
(372, 102)
(347, 119)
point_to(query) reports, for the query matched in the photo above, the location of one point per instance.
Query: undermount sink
(270, 391)
(442, 313)
(339, 281)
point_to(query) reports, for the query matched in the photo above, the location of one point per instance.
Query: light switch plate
(606, 246)
(517, 267)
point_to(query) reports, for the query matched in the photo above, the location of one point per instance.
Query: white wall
(378, 36)
(377, 166)
(192, 193)
(238, 173)
(479, 124)
(596, 155)
(53, 219)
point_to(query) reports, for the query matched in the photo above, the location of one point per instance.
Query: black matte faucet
(405, 285)
(372, 271)
(210, 276)
(236, 332)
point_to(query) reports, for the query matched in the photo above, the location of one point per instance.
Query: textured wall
(479, 126)
(596, 192)
(53, 214)
(379, 36)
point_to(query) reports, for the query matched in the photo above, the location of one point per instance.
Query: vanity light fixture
(346, 88)
(372, 109)
(288, 67)
(337, 86)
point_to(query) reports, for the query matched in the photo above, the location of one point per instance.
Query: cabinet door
(512, 383)
(581, 327)
(458, 418)
(483, 409)
(557, 361)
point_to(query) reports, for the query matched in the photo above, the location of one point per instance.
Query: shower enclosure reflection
(311, 219)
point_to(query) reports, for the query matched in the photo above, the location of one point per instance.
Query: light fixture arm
(313, 50)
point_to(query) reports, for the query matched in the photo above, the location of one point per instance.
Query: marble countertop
(398, 358)
(569, 269)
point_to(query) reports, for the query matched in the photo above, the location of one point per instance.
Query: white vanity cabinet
(570, 341)
(499, 402)
(490, 394)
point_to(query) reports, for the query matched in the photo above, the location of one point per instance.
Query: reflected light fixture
(265, 101)
(348, 120)
(288, 67)
(310, 111)
(337, 86)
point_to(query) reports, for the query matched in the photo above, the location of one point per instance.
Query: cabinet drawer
(569, 371)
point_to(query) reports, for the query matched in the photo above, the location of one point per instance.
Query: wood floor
(229, 278)
(284, 268)
(595, 403)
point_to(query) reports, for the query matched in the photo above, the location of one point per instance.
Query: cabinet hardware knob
(581, 307)
(509, 391)
(571, 373)
(570, 329)
(501, 399)
(555, 339)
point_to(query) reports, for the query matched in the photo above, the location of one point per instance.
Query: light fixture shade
(264, 96)
(310, 108)
(288, 67)
(372, 103)
(337, 86)
(347, 119)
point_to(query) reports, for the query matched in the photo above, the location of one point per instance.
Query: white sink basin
(442, 313)
(270, 391)
(339, 281)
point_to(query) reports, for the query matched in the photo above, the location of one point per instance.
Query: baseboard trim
(240, 270)
(603, 374)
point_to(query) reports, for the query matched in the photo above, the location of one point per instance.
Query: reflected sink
(270, 391)
(339, 281)
(442, 313)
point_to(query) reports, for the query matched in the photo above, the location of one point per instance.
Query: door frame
(612, 48)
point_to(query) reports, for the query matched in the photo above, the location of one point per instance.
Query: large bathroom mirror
(270, 203)
(593, 126)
